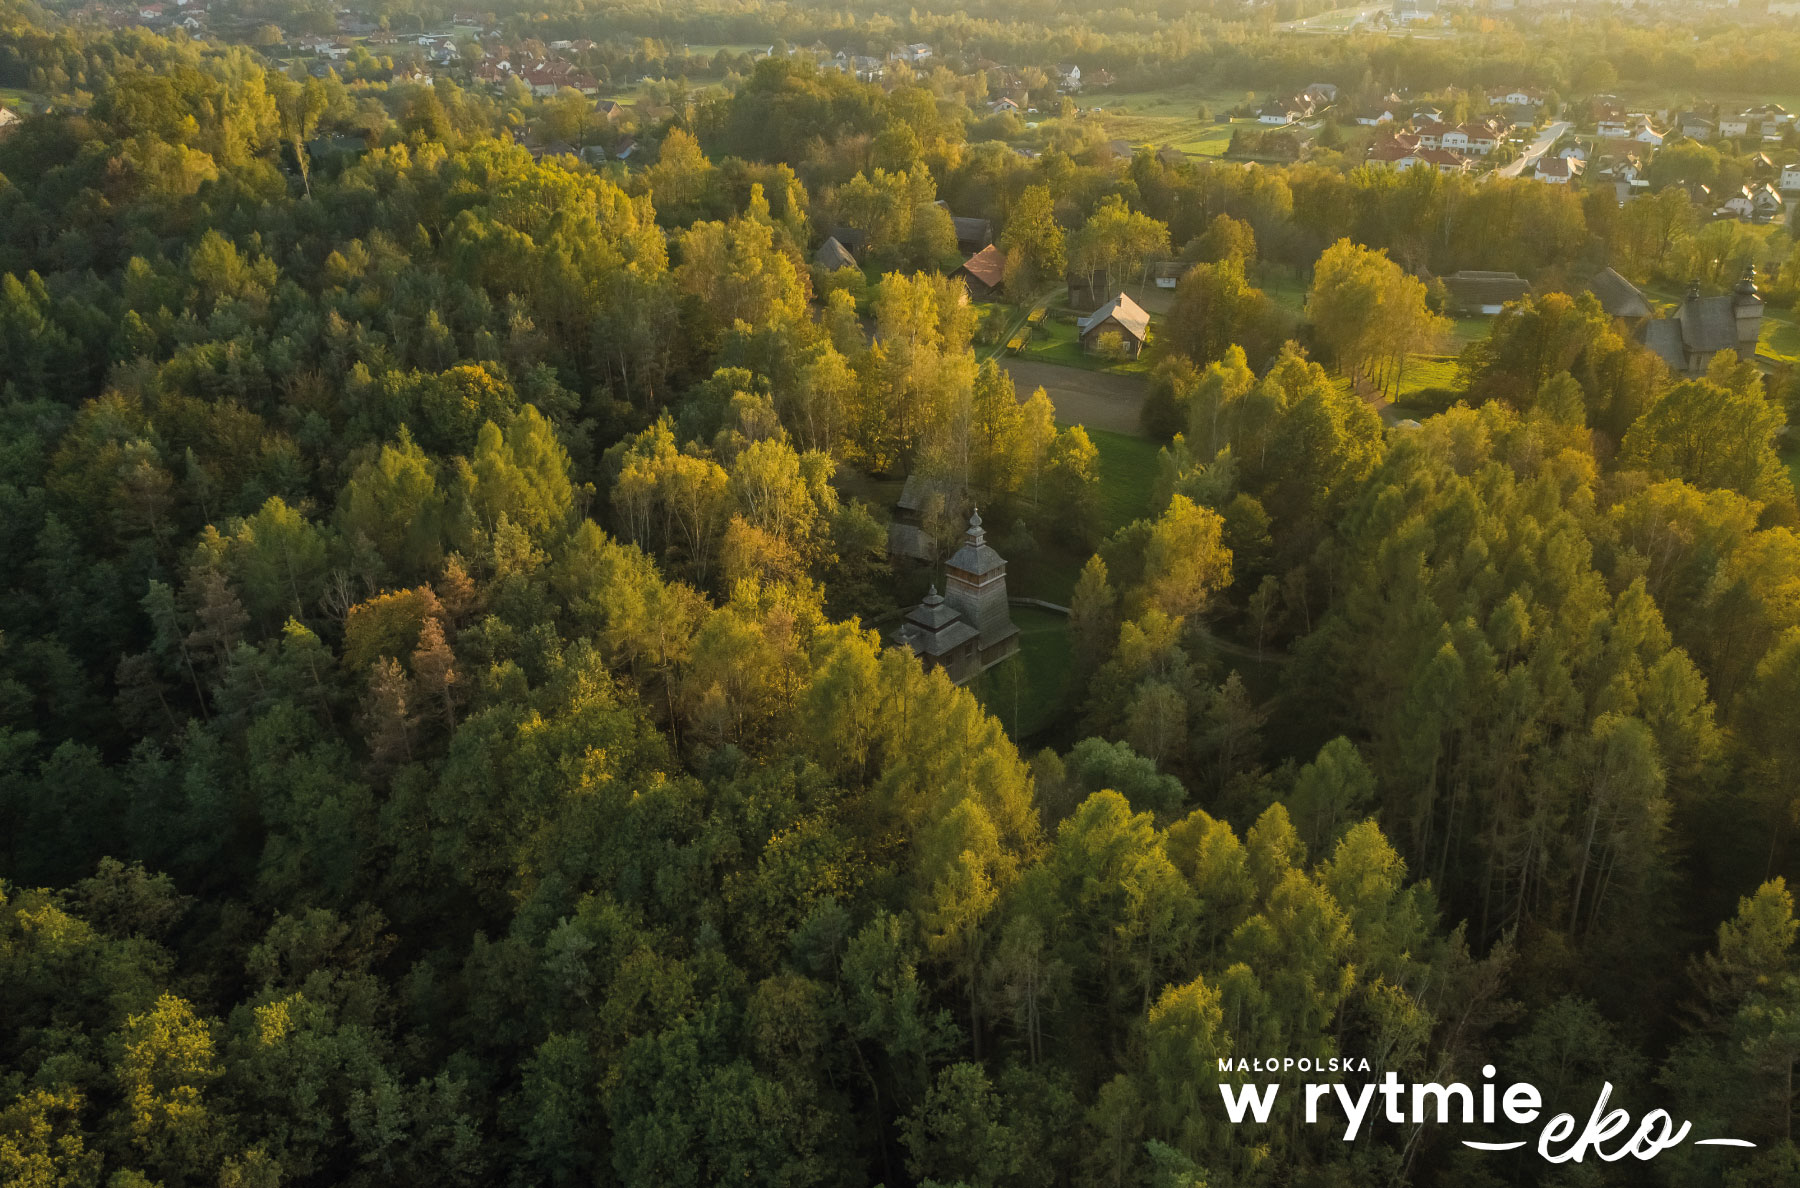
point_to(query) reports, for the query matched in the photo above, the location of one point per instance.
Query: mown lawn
(1780, 338)
(1127, 477)
(1468, 330)
(1030, 691)
(1425, 372)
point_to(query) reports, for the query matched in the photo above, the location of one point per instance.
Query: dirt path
(1090, 398)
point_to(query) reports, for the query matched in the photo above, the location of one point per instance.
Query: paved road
(1534, 150)
(1081, 397)
(1337, 21)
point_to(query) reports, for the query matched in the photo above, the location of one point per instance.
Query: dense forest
(447, 734)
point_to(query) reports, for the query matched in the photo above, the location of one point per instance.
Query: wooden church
(968, 628)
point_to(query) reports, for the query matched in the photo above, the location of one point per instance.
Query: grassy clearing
(1127, 477)
(1287, 289)
(1340, 19)
(1780, 338)
(1424, 372)
(1168, 116)
(1030, 692)
(1468, 330)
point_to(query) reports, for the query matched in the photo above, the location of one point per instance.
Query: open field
(1168, 116)
(1095, 399)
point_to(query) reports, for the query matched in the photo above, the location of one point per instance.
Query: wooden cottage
(1121, 315)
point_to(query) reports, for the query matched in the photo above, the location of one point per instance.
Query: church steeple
(1747, 311)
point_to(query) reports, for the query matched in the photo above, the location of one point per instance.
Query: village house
(1373, 116)
(853, 239)
(1619, 297)
(1695, 126)
(1740, 205)
(1790, 177)
(1392, 155)
(1733, 126)
(1068, 76)
(1768, 119)
(1486, 136)
(1085, 289)
(1701, 327)
(968, 628)
(972, 234)
(1167, 274)
(1624, 168)
(1484, 292)
(833, 255)
(1519, 97)
(1558, 171)
(983, 273)
(1121, 315)
(1404, 153)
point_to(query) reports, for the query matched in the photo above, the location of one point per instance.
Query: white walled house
(1557, 171)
